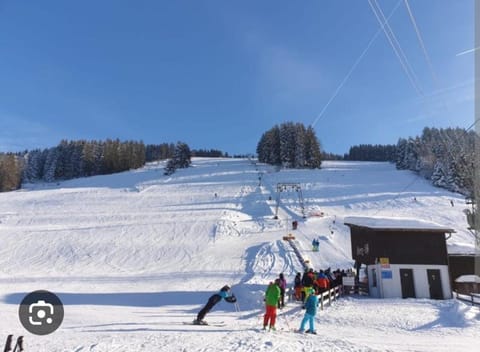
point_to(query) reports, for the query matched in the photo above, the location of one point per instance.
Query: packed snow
(134, 256)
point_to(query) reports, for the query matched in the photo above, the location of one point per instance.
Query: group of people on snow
(320, 281)
(274, 299)
(307, 287)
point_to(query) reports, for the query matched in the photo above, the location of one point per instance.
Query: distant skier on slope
(212, 301)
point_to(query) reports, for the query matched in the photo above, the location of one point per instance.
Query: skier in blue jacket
(212, 301)
(311, 310)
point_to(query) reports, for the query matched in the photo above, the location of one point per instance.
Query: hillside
(134, 254)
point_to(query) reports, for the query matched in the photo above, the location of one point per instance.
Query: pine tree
(445, 156)
(182, 155)
(33, 170)
(299, 144)
(181, 158)
(50, 164)
(313, 154)
(439, 175)
(290, 145)
(287, 144)
(88, 159)
(170, 167)
(400, 154)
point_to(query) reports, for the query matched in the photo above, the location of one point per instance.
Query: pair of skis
(204, 323)
(297, 331)
(18, 345)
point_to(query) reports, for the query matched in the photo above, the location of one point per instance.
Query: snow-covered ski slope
(136, 254)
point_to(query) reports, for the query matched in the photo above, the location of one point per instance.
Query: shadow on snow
(126, 299)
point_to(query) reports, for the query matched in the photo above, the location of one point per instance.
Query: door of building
(435, 283)
(406, 280)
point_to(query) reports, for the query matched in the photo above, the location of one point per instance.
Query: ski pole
(237, 307)
(286, 321)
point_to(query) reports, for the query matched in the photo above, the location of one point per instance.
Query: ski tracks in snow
(271, 259)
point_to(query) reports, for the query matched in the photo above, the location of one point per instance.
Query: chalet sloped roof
(396, 224)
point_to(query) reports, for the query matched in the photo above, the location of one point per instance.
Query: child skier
(311, 310)
(212, 301)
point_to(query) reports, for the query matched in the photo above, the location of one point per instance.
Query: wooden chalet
(404, 257)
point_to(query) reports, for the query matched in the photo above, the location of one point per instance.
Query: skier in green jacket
(272, 296)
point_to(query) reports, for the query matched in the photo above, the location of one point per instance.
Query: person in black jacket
(224, 293)
(307, 282)
(298, 287)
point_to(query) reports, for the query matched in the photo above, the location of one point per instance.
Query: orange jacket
(323, 282)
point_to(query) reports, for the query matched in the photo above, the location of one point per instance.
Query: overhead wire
(436, 83)
(401, 56)
(422, 44)
(473, 124)
(425, 53)
(392, 39)
(412, 76)
(354, 66)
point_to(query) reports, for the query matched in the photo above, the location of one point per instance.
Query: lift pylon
(289, 187)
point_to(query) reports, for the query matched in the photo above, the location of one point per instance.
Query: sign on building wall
(363, 250)
(385, 263)
(387, 274)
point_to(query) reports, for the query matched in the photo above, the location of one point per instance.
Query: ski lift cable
(473, 124)
(432, 71)
(410, 184)
(395, 46)
(422, 43)
(427, 58)
(407, 68)
(354, 66)
(402, 53)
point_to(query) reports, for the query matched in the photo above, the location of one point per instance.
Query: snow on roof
(468, 278)
(395, 224)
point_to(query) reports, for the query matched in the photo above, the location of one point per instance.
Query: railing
(473, 298)
(324, 298)
(329, 296)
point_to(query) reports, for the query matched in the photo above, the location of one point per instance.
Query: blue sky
(217, 74)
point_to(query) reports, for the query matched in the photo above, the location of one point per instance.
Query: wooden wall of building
(412, 247)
